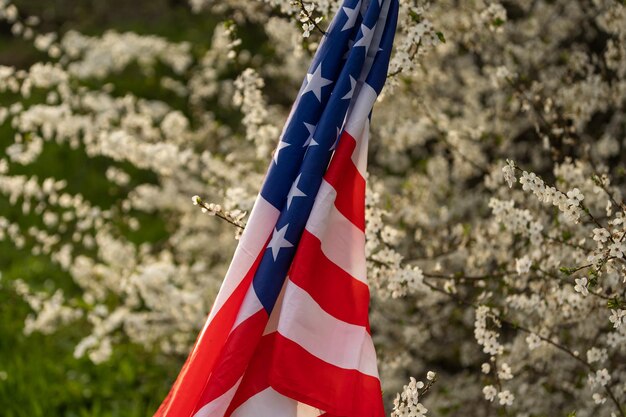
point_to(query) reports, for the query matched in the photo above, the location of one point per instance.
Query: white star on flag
(352, 15)
(294, 191)
(281, 145)
(351, 92)
(315, 82)
(310, 141)
(278, 241)
(366, 38)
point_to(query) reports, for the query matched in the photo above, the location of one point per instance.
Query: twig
(309, 17)
(209, 208)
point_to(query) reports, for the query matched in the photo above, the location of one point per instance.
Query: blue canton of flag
(314, 128)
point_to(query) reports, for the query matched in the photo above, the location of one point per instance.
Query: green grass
(42, 376)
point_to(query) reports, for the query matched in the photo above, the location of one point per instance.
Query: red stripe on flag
(336, 291)
(184, 395)
(346, 179)
(256, 378)
(234, 357)
(302, 376)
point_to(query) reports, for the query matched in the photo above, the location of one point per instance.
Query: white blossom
(522, 265)
(505, 398)
(505, 372)
(533, 341)
(490, 392)
(581, 286)
(601, 378)
(485, 368)
(618, 317)
(597, 355)
(598, 398)
(509, 173)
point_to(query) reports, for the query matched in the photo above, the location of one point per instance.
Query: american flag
(289, 334)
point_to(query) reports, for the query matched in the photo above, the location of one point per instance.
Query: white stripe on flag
(360, 111)
(359, 155)
(342, 242)
(342, 344)
(267, 403)
(218, 406)
(305, 410)
(262, 220)
(250, 306)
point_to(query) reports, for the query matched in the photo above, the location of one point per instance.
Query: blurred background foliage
(39, 375)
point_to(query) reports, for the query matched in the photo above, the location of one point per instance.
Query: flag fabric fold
(288, 334)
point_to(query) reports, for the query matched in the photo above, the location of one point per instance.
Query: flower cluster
(407, 403)
(485, 337)
(309, 23)
(569, 204)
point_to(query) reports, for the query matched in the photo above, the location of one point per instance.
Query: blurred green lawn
(38, 374)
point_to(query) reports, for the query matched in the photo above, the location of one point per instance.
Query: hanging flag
(288, 334)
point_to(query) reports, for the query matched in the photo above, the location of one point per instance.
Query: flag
(289, 334)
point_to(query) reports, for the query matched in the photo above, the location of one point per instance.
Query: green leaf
(415, 17)
(615, 303)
